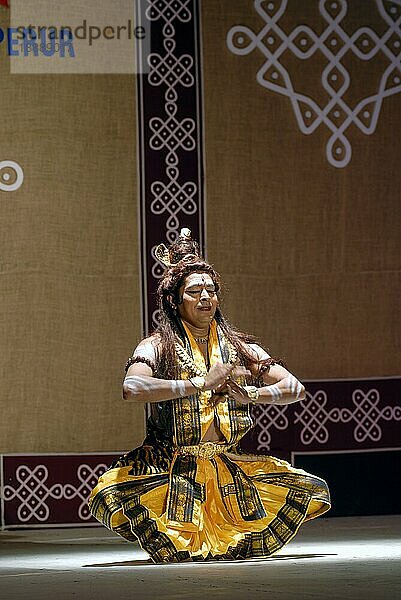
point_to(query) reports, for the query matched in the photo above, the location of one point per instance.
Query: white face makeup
(199, 300)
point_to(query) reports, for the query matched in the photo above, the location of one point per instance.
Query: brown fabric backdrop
(310, 253)
(69, 266)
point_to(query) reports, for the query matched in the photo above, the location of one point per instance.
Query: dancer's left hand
(230, 389)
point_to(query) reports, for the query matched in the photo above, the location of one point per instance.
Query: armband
(140, 359)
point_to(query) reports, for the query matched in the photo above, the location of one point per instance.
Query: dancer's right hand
(220, 372)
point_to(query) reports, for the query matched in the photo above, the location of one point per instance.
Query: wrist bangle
(252, 392)
(198, 382)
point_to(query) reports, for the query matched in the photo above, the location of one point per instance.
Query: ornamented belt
(204, 449)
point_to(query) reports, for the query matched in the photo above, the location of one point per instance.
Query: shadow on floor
(137, 563)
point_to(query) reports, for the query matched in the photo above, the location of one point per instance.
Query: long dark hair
(185, 253)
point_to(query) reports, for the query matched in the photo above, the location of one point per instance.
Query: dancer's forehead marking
(200, 280)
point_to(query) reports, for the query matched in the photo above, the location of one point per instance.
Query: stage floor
(338, 558)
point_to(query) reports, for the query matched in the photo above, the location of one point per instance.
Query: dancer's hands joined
(219, 374)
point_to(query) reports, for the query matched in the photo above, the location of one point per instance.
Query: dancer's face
(199, 300)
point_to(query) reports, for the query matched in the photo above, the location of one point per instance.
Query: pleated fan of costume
(222, 506)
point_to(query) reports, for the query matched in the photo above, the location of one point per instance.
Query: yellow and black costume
(184, 499)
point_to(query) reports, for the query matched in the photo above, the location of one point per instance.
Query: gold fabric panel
(310, 253)
(220, 527)
(69, 265)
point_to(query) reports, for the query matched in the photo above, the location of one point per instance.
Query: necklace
(202, 340)
(187, 362)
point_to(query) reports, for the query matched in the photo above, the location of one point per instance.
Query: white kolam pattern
(88, 478)
(269, 416)
(335, 44)
(366, 416)
(170, 133)
(33, 492)
(174, 196)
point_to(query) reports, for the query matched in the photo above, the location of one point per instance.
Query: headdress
(183, 249)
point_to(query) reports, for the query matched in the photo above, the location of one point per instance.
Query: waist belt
(204, 449)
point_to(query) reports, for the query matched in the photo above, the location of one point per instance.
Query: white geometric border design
(269, 417)
(334, 43)
(33, 492)
(170, 134)
(366, 417)
(49, 489)
(170, 141)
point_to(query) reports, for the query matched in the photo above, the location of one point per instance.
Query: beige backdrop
(69, 263)
(310, 253)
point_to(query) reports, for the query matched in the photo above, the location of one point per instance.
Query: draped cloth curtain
(310, 252)
(70, 306)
